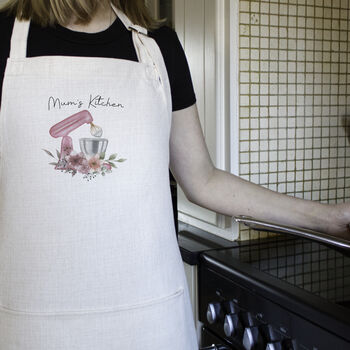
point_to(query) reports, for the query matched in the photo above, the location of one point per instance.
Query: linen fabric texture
(88, 252)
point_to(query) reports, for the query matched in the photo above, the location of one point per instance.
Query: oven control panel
(247, 321)
(243, 328)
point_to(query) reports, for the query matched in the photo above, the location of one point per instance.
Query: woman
(88, 254)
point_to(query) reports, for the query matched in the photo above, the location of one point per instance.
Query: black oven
(276, 293)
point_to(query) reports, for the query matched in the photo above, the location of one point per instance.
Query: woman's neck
(102, 19)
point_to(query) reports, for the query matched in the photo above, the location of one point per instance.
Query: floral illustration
(90, 161)
(73, 162)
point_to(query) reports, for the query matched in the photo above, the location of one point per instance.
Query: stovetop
(306, 277)
(315, 268)
(308, 265)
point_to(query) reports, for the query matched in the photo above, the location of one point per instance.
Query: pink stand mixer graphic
(90, 161)
(89, 146)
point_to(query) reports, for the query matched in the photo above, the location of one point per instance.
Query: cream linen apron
(88, 252)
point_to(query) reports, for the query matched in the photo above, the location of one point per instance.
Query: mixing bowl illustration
(91, 146)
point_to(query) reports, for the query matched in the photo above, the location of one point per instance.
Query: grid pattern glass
(295, 97)
(308, 265)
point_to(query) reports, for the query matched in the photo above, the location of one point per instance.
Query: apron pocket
(150, 302)
(162, 323)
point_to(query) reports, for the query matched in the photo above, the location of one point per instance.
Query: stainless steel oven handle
(260, 225)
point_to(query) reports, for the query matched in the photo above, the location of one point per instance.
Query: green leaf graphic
(58, 154)
(102, 155)
(113, 156)
(112, 164)
(49, 153)
(53, 163)
(121, 160)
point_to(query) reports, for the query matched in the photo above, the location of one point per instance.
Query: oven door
(211, 342)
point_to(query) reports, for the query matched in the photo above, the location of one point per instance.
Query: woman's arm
(225, 193)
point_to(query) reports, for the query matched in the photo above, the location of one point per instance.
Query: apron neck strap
(19, 39)
(127, 23)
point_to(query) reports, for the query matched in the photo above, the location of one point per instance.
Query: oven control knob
(213, 312)
(232, 325)
(252, 338)
(248, 320)
(274, 346)
(230, 307)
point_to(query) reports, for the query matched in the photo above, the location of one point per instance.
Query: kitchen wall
(294, 81)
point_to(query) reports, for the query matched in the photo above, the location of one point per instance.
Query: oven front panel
(255, 321)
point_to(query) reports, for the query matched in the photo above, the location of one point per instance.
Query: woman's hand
(339, 222)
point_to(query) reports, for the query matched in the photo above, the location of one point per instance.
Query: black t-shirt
(114, 42)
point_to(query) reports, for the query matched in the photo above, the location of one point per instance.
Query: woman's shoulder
(183, 94)
(163, 32)
(166, 38)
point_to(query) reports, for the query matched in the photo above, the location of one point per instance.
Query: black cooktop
(306, 277)
(308, 265)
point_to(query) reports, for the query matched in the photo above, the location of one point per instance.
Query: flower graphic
(76, 162)
(94, 162)
(84, 168)
(107, 166)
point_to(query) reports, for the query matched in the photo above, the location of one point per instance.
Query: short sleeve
(182, 91)
(6, 25)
